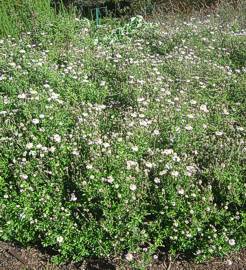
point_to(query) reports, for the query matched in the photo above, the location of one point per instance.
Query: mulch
(13, 257)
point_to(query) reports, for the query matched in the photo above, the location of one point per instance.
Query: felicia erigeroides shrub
(123, 148)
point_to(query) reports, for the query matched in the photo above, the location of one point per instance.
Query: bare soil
(13, 257)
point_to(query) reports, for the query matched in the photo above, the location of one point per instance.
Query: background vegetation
(24, 15)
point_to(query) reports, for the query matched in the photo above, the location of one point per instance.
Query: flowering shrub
(124, 149)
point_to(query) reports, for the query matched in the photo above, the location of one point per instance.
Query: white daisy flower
(60, 239)
(232, 242)
(156, 132)
(29, 146)
(129, 257)
(168, 151)
(23, 176)
(181, 191)
(219, 133)
(35, 121)
(188, 127)
(204, 108)
(73, 198)
(134, 148)
(157, 180)
(57, 138)
(175, 173)
(133, 187)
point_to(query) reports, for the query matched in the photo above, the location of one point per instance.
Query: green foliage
(26, 15)
(121, 140)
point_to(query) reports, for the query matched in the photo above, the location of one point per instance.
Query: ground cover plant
(125, 140)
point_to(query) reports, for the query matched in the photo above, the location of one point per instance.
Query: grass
(124, 140)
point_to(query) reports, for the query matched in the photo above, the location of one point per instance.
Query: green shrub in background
(150, 7)
(26, 15)
(147, 7)
(22, 15)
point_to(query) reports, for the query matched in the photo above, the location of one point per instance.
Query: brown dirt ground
(13, 257)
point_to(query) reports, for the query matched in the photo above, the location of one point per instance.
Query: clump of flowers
(121, 148)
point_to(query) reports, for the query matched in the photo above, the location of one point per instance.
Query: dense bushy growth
(146, 6)
(28, 15)
(125, 140)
